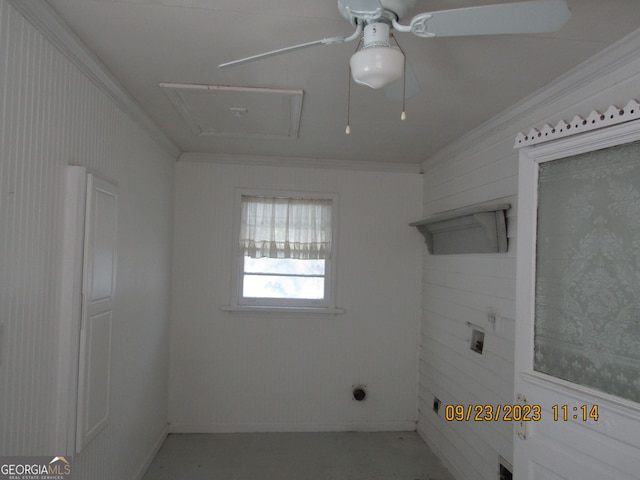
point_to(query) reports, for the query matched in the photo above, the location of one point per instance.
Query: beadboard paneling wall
(51, 115)
(480, 167)
(235, 372)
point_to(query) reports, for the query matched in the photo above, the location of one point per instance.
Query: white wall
(52, 115)
(482, 166)
(234, 372)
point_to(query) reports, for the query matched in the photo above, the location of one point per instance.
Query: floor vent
(505, 470)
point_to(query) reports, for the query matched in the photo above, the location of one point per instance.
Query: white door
(578, 308)
(98, 286)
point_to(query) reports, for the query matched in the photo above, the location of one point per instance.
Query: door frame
(70, 311)
(618, 416)
(71, 305)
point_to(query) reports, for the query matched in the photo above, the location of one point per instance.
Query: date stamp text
(517, 413)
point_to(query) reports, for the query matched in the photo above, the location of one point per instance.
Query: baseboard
(436, 447)
(407, 426)
(152, 454)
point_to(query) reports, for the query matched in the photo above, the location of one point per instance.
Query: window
(285, 250)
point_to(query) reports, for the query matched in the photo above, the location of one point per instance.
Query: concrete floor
(296, 456)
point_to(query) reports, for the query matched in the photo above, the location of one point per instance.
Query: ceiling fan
(378, 64)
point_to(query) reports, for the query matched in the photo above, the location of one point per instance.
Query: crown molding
(44, 18)
(614, 58)
(301, 162)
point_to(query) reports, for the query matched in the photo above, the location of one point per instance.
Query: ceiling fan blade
(324, 41)
(273, 53)
(535, 16)
(394, 90)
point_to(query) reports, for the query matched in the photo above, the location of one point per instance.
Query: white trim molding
(144, 466)
(47, 21)
(401, 426)
(595, 120)
(301, 162)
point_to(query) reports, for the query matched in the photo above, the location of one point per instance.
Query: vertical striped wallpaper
(51, 115)
(31, 179)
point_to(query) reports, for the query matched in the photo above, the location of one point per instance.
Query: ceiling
(463, 81)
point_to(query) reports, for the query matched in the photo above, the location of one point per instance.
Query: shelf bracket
(476, 229)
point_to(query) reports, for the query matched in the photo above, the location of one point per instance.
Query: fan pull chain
(403, 115)
(348, 129)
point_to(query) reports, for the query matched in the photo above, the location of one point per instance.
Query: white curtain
(588, 270)
(285, 227)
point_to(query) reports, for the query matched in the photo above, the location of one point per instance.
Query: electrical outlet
(477, 341)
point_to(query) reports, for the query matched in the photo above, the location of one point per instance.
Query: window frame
(325, 305)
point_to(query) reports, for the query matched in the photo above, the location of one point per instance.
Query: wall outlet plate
(477, 341)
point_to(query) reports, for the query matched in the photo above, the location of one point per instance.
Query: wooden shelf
(475, 229)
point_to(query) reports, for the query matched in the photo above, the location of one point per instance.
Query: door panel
(587, 304)
(584, 299)
(94, 382)
(98, 370)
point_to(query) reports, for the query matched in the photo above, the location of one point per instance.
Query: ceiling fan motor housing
(376, 35)
(373, 10)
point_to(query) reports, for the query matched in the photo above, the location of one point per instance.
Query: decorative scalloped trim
(613, 116)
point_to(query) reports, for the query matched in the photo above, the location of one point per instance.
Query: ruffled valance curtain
(285, 227)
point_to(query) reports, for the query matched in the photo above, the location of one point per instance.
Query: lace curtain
(285, 227)
(587, 312)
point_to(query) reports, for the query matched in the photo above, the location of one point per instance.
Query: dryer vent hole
(359, 394)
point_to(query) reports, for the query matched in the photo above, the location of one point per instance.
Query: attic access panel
(237, 111)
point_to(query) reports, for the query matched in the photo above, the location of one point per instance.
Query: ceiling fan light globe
(377, 67)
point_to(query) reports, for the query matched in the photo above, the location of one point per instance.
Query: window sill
(281, 310)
